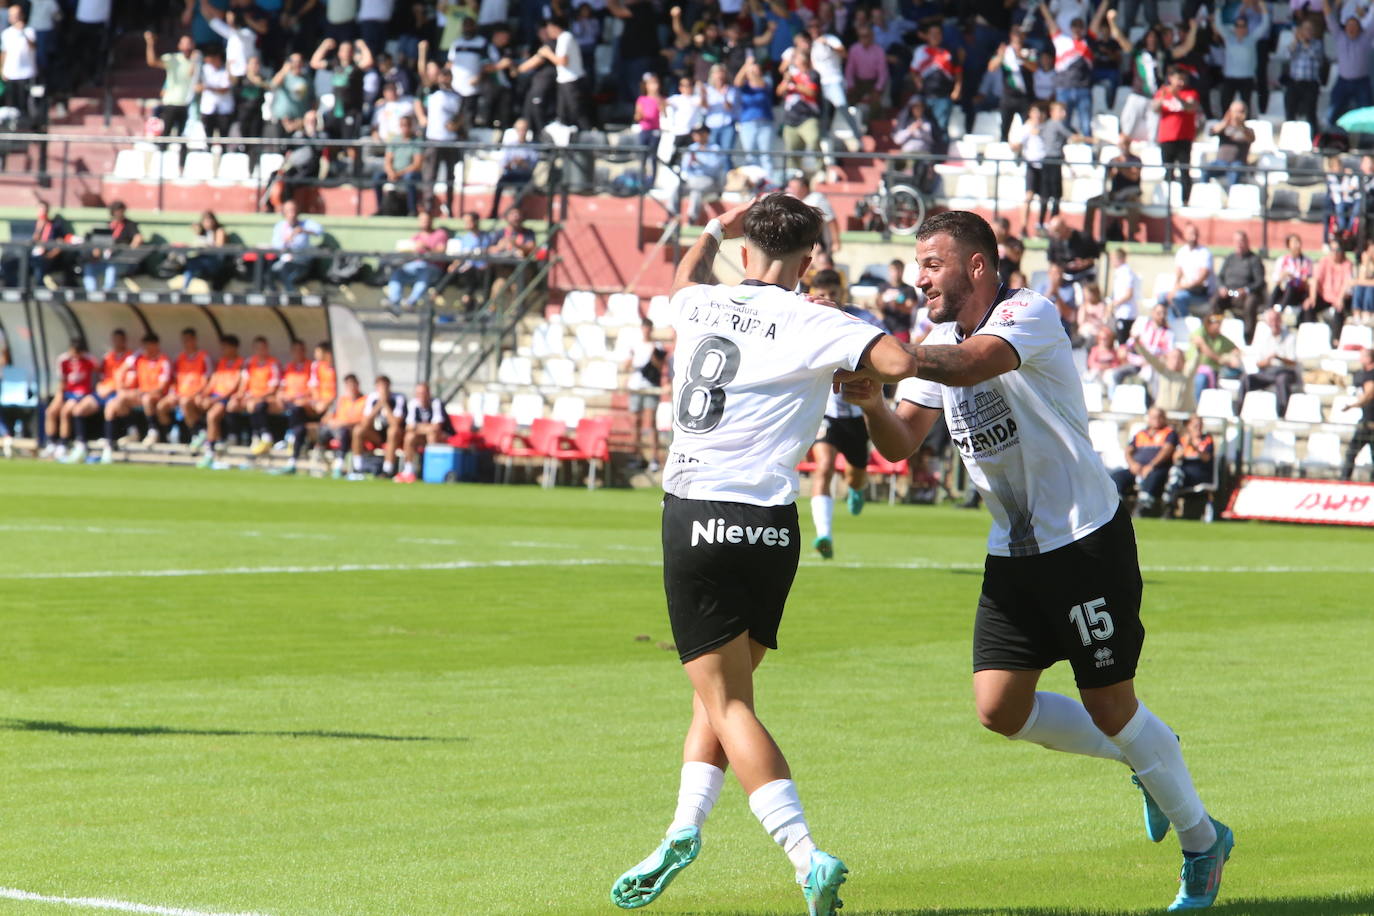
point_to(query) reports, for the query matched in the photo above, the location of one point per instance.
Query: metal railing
(571, 168)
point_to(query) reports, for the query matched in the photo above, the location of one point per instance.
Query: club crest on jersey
(715, 531)
(1005, 318)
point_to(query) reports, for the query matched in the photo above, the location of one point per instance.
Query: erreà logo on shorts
(715, 531)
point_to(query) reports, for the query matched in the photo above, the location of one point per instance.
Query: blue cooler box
(441, 460)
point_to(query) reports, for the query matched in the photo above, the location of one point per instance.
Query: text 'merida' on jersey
(1023, 435)
(751, 377)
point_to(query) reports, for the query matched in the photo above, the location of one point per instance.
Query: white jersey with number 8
(752, 372)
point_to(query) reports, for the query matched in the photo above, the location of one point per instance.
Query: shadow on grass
(142, 731)
(1335, 905)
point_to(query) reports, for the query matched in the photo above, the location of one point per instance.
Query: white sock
(822, 511)
(357, 462)
(779, 810)
(409, 468)
(388, 467)
(1063, 724)
(696, 794)
(1151, 749)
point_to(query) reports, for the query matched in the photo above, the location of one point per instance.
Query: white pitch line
(933, 564)
(299, 570)
(101, 903)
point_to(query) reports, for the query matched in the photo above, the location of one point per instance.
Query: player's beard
(951, 299)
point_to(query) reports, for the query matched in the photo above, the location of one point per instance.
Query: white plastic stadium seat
(1129, 399)
(600, 374)
(591, 342)
(1233, 329)
(526, 408)
(1295, 136)
(1092, 396)
(1342, 414)
(1216, 404)
(1356, 337)
(1260, 407)
(560, 373)
(234, 167)
(268, 165)
(548, 340)
(515, 371)
(987, 123)
(569, 408)
(1207, 196)
(579, 307)
(660, 311)
(1264, 136)
(621, 309)
(1245, 200)
(491, 404)
(1323, 451)
(130, 165)
(1314, 341)
(1280, 448)
(971, 187)
(165, 165)
(625, 340)
(1303, 408)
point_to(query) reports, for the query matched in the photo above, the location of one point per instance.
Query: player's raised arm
(698, 265)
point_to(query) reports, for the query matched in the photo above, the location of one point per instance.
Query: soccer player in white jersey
(754, 368)
(1062, 579)
(842, 432)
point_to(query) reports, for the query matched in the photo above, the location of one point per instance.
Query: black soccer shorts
(1080, 603)
(727, 569)
(849, 435)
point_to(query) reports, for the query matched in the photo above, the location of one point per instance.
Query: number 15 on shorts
(1092, 622)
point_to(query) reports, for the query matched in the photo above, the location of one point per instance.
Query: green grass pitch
(241, 694)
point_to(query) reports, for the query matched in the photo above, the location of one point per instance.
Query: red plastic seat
(591, 442)
(464, 434)
(541, 442)
(878, 466)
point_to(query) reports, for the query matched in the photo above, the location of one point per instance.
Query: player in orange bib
(262, 379)
(191, 372)
(148, 373)
(338, 423)
(221, 395)
(307, 390)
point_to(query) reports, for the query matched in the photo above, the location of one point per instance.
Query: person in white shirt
(467, 55)
(646, 363)
(1062, 576)
(1193, 277)
(1125, 292)
(439, 111)
(18, 59)
(573, 100)
(216, 88)
(683, 113)
(751, 377)
(827, 57)
(289, 236)
(240, 36)
(389, 110)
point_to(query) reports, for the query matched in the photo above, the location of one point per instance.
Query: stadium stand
(540, 333)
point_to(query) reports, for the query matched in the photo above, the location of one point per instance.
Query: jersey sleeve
(681, 299)
(833, 340)
(921, 392)
(1031, 325)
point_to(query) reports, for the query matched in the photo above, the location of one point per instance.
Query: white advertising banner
(1318, 502)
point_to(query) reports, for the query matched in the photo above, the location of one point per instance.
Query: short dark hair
(150, 337)
(229, 340)
(827, 279)
(350, 377)
(968, 229)
(385, 378)
(79, 344)
(118, 332)
(1175, 70)
(325, 345)
(780, 225)
(560, 21)
(188, 331)
(259, 339)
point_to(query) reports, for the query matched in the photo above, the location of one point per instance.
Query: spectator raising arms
(1016, 63)
(181, 67)
(937, 76)
(1354, 39)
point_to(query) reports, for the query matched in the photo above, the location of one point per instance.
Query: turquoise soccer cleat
(825, 547)
(1200, 879)
(822, 887)
(642, 885)
(855, 499)
(1156, 824)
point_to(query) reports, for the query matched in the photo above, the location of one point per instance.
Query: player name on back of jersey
(737, 316)
(716, 531)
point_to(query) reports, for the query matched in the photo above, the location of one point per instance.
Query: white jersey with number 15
(751, 376)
